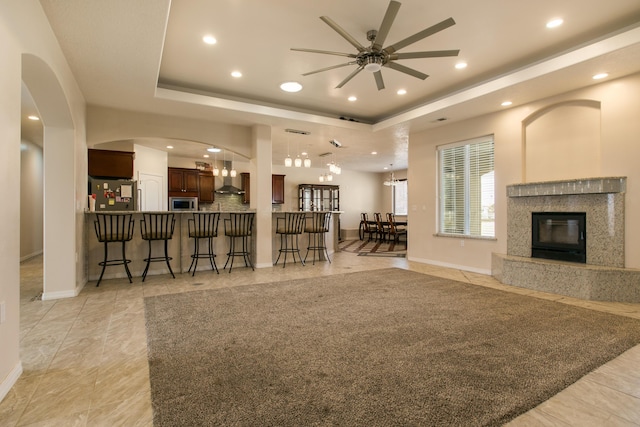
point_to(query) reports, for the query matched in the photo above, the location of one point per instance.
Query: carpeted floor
(385, 347)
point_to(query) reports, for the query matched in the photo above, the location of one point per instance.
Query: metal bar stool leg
(126, 264)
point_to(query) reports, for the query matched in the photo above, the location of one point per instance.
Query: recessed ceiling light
(304, 153)
(600, 76)
(374, 153)
(33, 118)
(236, 74)
(506, 103)
(401, 92)
(170, 147)
(214, 150)
(209, 39)
(352, 98)
(291, 87)
(385, 168)
(206, 156)
(461, 65)
(555, 23)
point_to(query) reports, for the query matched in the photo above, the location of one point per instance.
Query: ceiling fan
(374, 57)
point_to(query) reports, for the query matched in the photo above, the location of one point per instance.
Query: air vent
(440, 119)
(335, 143)
(299, 132)
(324, 154)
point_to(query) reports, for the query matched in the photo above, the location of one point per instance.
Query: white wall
(619, 151)
(31, 208)
(29, 51)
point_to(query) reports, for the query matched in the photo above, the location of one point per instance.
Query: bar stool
(157, 227)
(289, 228)
(203, 226)
(317, 227)
(239, 226)
(114, 228)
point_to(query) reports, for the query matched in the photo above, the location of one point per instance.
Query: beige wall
(613, 153)
(29, 52)
(31, 196)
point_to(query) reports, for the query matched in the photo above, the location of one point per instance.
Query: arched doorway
(59, 179)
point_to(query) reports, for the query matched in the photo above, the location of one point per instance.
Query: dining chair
(396, 231)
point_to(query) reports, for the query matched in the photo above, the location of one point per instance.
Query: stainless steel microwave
(183, 203)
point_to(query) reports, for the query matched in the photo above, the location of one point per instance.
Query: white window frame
(483, 226)
(394, 205)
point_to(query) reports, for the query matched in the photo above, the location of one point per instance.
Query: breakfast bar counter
(180, 247)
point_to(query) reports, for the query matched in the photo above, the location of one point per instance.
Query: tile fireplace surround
(603, 277)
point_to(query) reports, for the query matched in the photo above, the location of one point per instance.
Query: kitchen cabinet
(110, 164)
(316, 197)
(183, 182)
(246, 186)
(277, 189)
(206, 184)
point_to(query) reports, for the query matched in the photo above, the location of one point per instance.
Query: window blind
(466, 176)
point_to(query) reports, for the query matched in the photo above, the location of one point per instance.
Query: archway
(59, 188)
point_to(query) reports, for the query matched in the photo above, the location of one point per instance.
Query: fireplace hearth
(559, 235)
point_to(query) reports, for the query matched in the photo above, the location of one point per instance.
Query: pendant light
(298, 161)
(288, 162)
(225, 172)
(216, 171)
(233, 172)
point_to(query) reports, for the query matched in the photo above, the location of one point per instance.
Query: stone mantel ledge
(603, 185)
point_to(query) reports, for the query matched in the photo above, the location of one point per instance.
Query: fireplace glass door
(559, 235)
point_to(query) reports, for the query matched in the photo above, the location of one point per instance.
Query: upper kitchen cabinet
(246, 186)
(110, 164)
(183, 182)
(277, 189)
(206, 183)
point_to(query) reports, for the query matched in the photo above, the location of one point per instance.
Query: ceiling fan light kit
(374, 57)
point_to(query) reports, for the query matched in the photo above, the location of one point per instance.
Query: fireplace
(559, 235)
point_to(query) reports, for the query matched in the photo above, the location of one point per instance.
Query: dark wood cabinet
(110, 164)
(183, 182)
(277, 189)
(246, 186)
(206, 184)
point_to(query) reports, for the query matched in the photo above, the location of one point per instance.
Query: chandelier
(391, 181)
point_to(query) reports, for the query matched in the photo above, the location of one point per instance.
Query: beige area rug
(387, 347)
(372, 248)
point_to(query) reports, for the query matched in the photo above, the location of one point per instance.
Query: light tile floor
(85, 360)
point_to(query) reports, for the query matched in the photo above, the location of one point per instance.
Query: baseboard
(11, 379)
(28, 257)
(47, 296)
(449, 265)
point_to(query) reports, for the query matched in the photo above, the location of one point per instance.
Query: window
(467, 188)
(400, 197)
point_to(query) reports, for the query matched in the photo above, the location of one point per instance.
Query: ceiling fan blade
(406, 70)
(428, 54)
(379, 81)
(343, 33)
(326, 52)
(385, 26)
(349, 77)
(421, 35)
(330, 68)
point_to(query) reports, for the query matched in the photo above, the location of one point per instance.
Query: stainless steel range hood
(227, 186)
